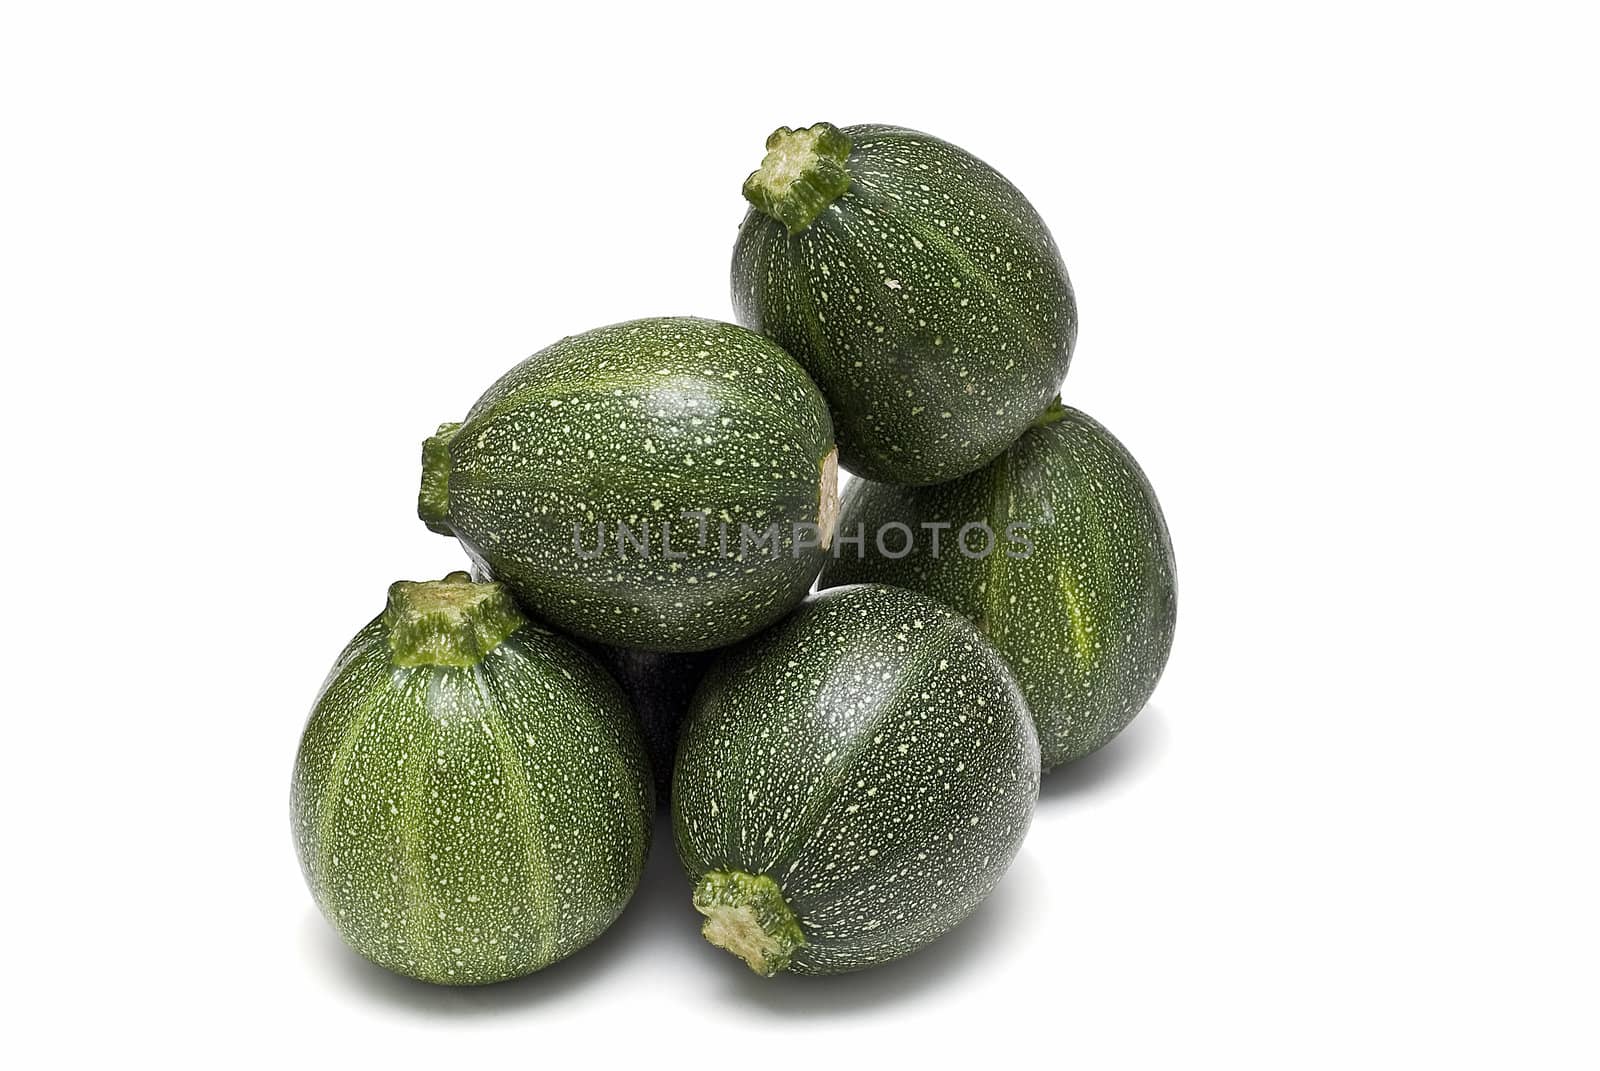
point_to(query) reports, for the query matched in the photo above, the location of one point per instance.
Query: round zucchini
(659, 685)
(670, 484)
(1077, 590)
(470, 798)
(852, 783)
(917, 286)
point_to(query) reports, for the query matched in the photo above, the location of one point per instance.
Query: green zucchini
(918, 287)
(659, 685)
(470, 799)
(852, 783)
(668, 484)
(1086, 618)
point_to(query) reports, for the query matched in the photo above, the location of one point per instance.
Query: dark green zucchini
(659, 685)
(917, 286)
(470, 798)
(668, 484)
(851, 783)
(1086, 618)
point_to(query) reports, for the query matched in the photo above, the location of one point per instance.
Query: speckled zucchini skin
(639, 423)
(469, 825)
(929, 302)
(873, 756)
(1086, 621)
(659, 686)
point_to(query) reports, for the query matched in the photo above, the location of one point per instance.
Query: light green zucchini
(470, 800)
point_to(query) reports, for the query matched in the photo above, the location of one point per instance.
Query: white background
(1336, 266)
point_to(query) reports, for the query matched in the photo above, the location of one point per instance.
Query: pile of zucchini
(646, 507)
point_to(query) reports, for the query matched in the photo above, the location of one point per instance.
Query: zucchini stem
(802, 173)
(828, 498)
(746, 915)
(451, 622)
(1052, 413)
(433, 499)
